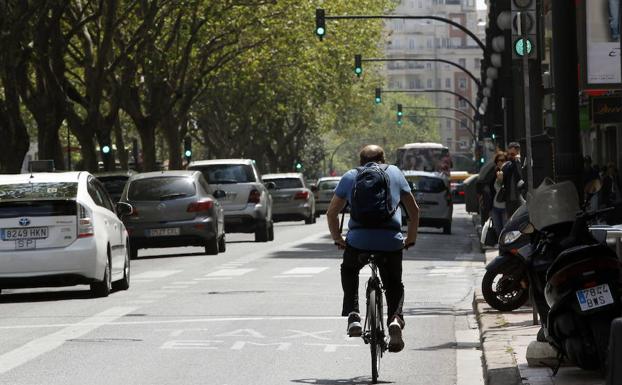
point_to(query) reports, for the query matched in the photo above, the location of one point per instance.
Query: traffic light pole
(463, 69)
(438, 91)
(525, 63)
(408, 17)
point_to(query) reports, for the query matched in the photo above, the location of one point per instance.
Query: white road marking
(155, 274)
(184, 283)
(229, 273)
(207, 320)
(45, 344)
(305, 270)
(171, 289)
(293, 276)
(213, 279)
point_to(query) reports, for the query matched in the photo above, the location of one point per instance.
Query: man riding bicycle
(385, 238)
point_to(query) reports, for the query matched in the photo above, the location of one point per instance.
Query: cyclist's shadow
(349, 381)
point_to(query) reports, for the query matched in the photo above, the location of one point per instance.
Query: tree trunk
(49, 146)
(170, 126)
(120, 142)
(148, 145)
(15, 142)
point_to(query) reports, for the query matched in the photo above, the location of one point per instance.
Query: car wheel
(104, 287)
(124, 283)
(211, 247)
(262, 232)
(310, 220)
(222, 244)
(133, 252)
(271, 231)
(447, 228)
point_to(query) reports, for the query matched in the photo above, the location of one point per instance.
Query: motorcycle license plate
(594, 297)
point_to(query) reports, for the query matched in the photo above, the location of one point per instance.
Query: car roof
(282, 175)
(424, 173)
(156, 174)
(106, 174)
(326, 178)
(43, 177)
(220, 161)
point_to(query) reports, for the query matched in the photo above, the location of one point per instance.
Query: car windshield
(427, 184)
(114, 184)
(227, 173)
(34, 191)
(282, 183)
(161, 188)
(328, 185)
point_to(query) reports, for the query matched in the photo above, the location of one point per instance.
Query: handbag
(489, 236)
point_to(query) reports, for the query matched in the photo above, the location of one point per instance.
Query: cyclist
(385, 238)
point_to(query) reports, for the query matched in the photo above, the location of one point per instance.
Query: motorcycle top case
(552, 204)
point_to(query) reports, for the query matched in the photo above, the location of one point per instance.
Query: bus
(433, 157)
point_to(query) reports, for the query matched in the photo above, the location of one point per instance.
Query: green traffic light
(298, 166)
(358, 70)
(188, 153)
(519, 47)
(400, 113)
(106, 149)
(320, 31)
(378, 100)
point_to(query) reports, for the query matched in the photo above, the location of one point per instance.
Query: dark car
(173, 208)
(114, 182)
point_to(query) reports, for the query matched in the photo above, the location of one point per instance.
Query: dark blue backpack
(371, 204)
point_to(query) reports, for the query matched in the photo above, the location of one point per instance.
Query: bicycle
(374, 333)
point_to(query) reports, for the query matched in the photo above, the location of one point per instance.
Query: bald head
(371, 153)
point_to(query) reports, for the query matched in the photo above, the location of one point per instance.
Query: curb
(499, 365)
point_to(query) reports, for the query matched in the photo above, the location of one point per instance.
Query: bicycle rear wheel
(374, 316)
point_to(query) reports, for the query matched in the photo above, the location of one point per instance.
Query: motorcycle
(505, 285)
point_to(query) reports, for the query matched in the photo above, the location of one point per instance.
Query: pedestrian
(499, 215)
(512, 179)
(383, 237)
(614, 19)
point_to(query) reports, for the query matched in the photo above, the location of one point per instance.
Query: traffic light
(358, 65)
(399, 111)
(106, 153)
(320, 23)
(378, 98)
(188, 148)
(298, 165)
(524, 15)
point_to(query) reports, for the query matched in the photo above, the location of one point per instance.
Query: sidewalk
(505, 338)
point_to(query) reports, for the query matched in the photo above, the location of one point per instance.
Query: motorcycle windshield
(518, 219)
(552, 204)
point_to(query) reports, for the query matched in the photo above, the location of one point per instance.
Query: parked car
(114, 182)
(291, 199)
(237, 184)
(456, 180)
(433, 196)
(61, 229)
(324, 190)
(171, 209)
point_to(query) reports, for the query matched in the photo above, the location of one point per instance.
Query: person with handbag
(498, 213)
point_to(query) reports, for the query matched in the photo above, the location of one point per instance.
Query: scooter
(505, 285)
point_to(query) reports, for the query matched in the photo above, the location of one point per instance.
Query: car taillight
(461, 193)
(202, 205)
(85, 222)
(302, 195)
(254, 196)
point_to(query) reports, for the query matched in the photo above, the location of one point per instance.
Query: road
(256, 314)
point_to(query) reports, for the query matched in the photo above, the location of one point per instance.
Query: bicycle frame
(374, 332)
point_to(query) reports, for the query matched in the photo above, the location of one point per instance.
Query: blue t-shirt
(385, 239)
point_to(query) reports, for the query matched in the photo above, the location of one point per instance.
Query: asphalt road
(260, 313)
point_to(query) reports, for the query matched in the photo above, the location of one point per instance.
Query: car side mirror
(219, 194)
(411, 185)
(124, 209)
(270, 185)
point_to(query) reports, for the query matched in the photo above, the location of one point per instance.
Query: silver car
(237, 184)
(324, 191)
(173, 208)
(291, 199)
(433, 195)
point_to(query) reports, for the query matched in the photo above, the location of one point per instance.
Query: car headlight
(510, 237)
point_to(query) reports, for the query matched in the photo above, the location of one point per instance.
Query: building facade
(427, 39)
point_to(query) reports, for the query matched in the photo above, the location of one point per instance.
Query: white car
(61, 229)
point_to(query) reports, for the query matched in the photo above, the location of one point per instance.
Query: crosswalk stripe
(229, 273)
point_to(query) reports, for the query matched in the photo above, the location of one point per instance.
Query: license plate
(163, 232)
(280, 199)
(594, 297)
(25, 244)
(24, 233)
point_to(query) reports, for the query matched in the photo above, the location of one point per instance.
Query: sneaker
(354, 325)
(396, 343)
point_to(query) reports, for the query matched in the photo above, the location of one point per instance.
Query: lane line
(293, 276)
(155, 274)
(229, 273)
(42, 345)
(305, 270)
(213, 279)
(207, 320)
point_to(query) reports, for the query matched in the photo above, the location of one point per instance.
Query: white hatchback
(61, 229)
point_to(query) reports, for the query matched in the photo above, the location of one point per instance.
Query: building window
(462, 84)
(399, 84)
(476, 63)
(456, 42)
(462, 104)
(448, 123)
(412, 44)
(429, 83)
(430, 44)
(463, 123)
(462, 61)
(448, 83)
(438, 83)
(412, 84)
